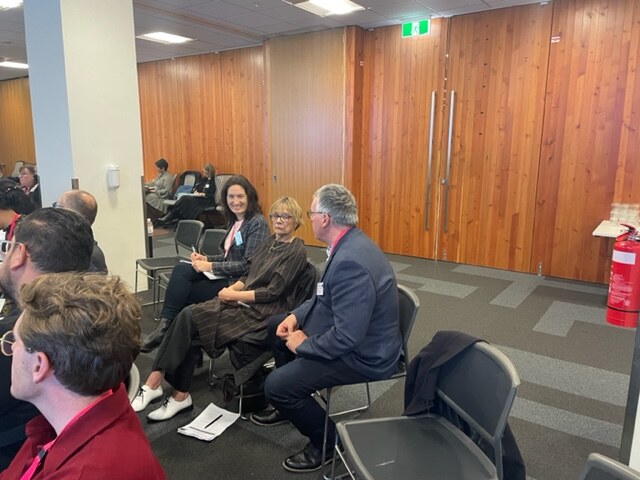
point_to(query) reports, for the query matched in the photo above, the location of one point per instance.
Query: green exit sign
(413, 29)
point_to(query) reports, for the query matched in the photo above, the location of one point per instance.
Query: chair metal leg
(326, 423)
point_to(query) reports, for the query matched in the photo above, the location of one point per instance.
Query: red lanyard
(12, 226)
(37, 460)
(335, 242)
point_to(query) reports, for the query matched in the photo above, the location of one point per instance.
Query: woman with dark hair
(157, 190)
(246, 229)
(31, 184)
(14, 203)
(190, 206)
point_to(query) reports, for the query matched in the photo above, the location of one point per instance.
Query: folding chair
(187, 235)
(409, 303)
(478, 386)
(599, 467)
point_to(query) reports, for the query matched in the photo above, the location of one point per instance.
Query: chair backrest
(132, 382)
(409, 304)
(479, 385)
(599, 467)
(188, 234)
(221, 179)
(190, 177)
(211, 240)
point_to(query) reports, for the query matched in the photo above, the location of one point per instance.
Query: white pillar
(86, 114)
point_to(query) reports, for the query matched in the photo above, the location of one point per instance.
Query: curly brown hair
(87, 325)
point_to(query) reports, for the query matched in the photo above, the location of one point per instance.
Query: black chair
(599, 467)
(188, 178)
(478, 386)
(187, 235)
(408, 303)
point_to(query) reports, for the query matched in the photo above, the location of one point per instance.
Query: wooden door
(397, 194)
(590, 141)
(496, 73)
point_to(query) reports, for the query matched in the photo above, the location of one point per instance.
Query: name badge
(320, 289)
(238, 238)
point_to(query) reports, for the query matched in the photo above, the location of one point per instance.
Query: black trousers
(179, 351)
(289, 387)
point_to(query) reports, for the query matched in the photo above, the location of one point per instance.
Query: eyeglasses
(285, 217)
(311, 212)
(24, 174)
(5, 247)
(7, 341)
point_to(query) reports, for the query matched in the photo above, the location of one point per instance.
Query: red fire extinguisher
(623, 302)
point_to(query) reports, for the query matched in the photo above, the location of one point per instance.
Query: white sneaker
(170, 407)
(145, 396)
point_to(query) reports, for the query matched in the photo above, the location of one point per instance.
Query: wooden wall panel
(16, 127)
(243, 95)
(497, 68)
(399, 76)
(306, 88)
(590, 145)
(181, 112)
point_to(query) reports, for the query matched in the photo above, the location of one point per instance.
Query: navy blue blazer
(355, 316)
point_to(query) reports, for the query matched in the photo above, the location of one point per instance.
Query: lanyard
(12, 226)
(335, 242)
(37, 460)
(229, 240)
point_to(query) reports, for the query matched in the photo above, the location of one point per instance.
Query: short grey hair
(339, 203)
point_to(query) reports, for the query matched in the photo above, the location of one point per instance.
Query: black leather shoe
(309, 459)
(154, 339)
(268, 417)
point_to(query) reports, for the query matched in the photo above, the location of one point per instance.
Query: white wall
(84, 95)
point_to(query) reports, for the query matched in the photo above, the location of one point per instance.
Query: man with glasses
(348, 332)
(85, 204)
(48, 240)
(72, 348)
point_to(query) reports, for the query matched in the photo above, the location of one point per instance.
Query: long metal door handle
(445, 180)
(429, 160)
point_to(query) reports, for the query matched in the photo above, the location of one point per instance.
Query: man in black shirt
(48, 240)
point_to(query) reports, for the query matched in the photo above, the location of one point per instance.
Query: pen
(213, 421)
(193, 249)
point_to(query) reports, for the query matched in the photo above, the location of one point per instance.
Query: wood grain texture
(497, 68)
(590, 144)
(399, 76)
(206, 109)
(16, 128)
(306, 105)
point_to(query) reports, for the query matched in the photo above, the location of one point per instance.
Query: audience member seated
(31, 185)
(246, 229)
(48, 240)
(73, 346)
(274, 270)
(13, 204)
(347, 333)
(188, 207)
(86, 205)
(157, 190)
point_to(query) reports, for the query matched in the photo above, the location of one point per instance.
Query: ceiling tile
(402, 10)
(218, 9)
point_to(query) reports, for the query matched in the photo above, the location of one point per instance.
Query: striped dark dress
(273, 270)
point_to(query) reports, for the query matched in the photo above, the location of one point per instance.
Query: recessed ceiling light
(166, 38)
(7, 4)
(326, 7)
(13, 65)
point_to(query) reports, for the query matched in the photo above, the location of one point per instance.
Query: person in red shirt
(72, 348)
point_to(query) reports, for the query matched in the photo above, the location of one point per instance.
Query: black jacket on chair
(420, 393)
